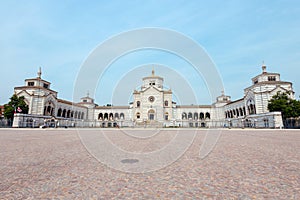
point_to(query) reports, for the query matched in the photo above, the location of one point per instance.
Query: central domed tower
(152, 81)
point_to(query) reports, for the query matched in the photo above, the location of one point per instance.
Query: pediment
(152, 90)
(23, 93)
(51, 98)
(278, 88)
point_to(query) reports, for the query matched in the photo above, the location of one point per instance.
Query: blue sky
(58, 36)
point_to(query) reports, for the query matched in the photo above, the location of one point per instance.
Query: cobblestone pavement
(245, 164)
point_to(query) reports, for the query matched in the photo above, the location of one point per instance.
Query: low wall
(265, 120)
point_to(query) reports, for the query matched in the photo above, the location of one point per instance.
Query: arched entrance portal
(151, 114)
(49, 108)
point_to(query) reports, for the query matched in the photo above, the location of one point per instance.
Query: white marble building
(44, 106)
(252, 109)
(153, 106)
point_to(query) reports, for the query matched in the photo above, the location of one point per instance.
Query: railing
(5, 123)
(291, 123)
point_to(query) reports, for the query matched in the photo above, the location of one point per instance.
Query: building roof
(69, 103)
(193, 106)
(37, 79)
(268, 83)
(34, 87)
(112, 107)
(235, 101)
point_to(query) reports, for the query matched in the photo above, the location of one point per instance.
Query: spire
(264, 67)
(88, 94)
(39, 73)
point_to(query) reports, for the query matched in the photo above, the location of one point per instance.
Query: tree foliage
(13, 105)
(282, 102)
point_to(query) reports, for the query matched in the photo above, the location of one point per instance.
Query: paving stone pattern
(245, 164)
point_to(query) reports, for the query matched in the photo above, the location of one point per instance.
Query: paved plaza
(55, 164)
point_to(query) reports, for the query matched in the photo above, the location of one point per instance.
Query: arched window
(122, 116)
(241, 112)
(237, 112)
(201, 115)
(76, 115)
(138, 115)
(190, 115)
(116, 115)
(184, 115)
(68, 114)
(252, 109)
(166, 116)
(59, 112)
(111, 116)
(49, 108)
(166, 103)
(106, 116)
(251, 106)
(207, 115)
(100, 116)
(72, 114)
(195, 116)
(64, 113)
(138, 104)
(82, 115)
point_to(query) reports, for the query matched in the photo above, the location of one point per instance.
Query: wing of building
(153, 106)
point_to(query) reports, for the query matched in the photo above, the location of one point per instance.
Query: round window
(151, 98)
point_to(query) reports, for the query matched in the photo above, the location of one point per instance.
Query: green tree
(282, 102)
(13, 105)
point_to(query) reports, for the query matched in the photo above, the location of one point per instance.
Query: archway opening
(151, 114)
